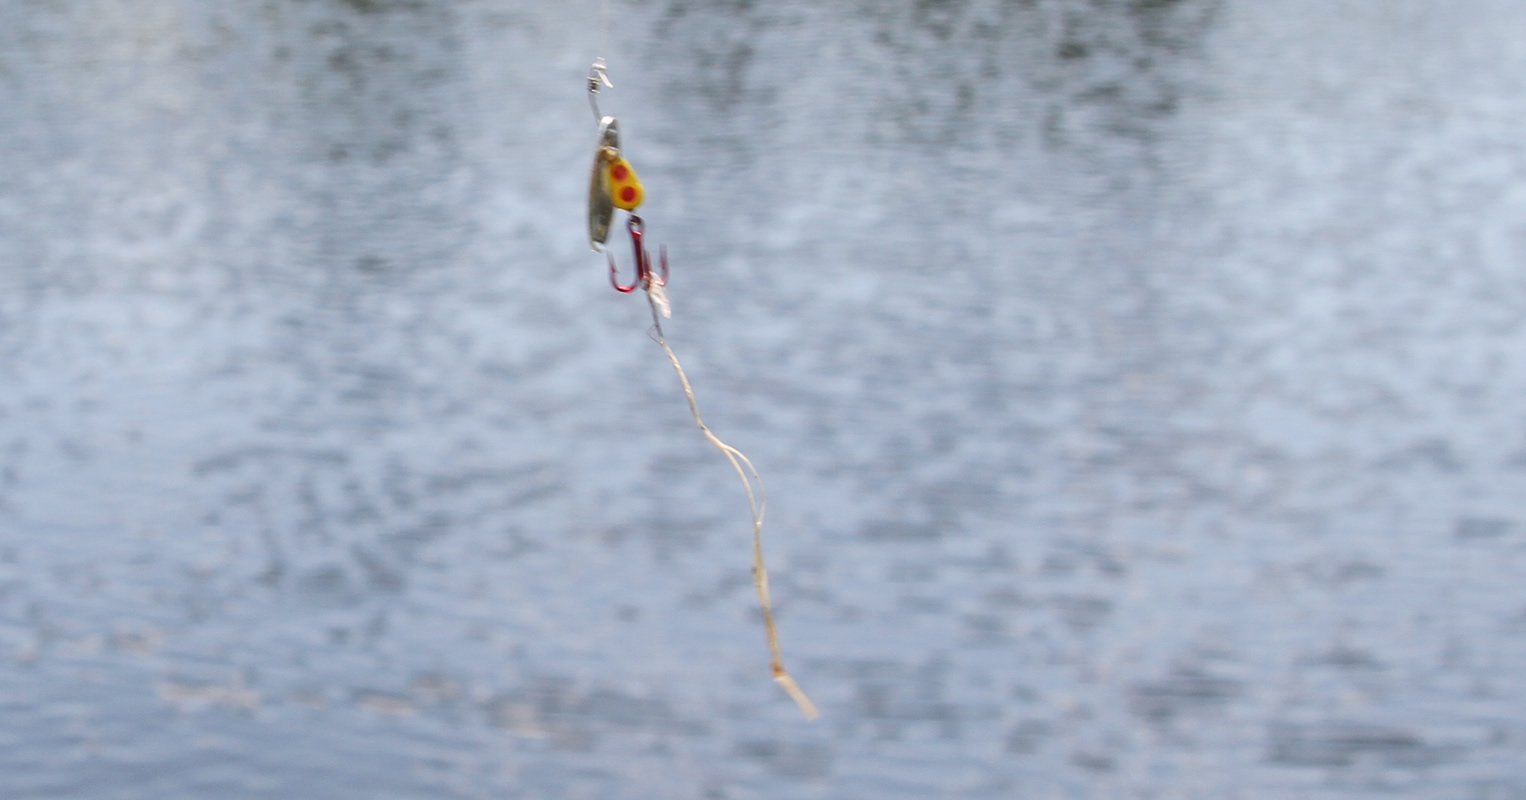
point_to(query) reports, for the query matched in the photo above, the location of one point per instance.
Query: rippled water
(1137, 386)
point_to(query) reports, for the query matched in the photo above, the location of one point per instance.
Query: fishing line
(757, 504)
(612, 185)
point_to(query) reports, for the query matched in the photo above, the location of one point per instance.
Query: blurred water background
(1137, 384)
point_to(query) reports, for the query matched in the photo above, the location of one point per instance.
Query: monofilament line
(757, 503)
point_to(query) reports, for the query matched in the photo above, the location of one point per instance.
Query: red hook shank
(644, 274)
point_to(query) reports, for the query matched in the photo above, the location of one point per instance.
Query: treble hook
(596, 76)
(645, 277)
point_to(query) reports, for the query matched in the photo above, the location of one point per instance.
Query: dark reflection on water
(1134, 382)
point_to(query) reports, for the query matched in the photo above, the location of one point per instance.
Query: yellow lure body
(624, 187)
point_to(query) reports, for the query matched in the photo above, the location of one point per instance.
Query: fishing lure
(613, 184)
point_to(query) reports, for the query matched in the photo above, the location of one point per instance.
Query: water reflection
(1135, 400)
